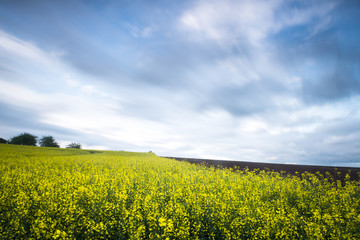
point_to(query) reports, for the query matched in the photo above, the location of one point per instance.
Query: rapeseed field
(52, 193)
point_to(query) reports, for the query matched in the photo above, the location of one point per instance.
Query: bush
(74, 145)
(48, 141)
(24, 139)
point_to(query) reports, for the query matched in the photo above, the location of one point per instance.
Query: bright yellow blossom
(52, 193)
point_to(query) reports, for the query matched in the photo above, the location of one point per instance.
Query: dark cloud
(336, 84)
(253, 97)
(334, 72)
(326, 59)
(171, 66)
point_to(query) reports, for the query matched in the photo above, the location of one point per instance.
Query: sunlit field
(52, 193)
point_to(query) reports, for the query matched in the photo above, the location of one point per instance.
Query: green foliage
(74, 194)
(2, 140)
(24, 139)
(74, 145)
(48, 141)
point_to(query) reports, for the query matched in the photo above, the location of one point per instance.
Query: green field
(52, 193)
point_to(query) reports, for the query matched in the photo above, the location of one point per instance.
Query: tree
(74, 145)
(24, 139)
(48, 141)
(3, 140)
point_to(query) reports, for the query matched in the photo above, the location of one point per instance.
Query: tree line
(31, 140)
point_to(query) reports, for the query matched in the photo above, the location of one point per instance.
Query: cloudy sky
(268, 81)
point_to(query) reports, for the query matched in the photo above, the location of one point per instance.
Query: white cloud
(248, 22)
(229, 21)
(18, 95)
(12, 46)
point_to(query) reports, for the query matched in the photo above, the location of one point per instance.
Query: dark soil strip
(338, 173)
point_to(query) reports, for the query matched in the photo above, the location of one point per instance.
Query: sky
(274, 81)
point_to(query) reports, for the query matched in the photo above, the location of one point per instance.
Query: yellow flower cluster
(52, 193)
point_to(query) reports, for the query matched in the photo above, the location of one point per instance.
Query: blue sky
(267, 81)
